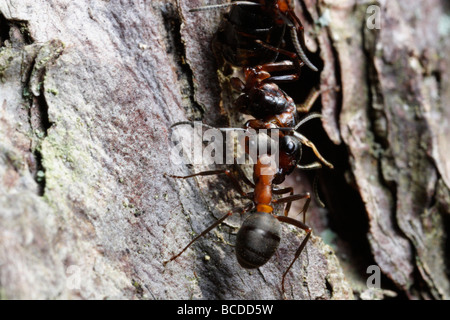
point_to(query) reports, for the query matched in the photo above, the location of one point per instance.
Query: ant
(250, 36)
(259, 235)
(238, 42)
(270, 105)
(263, 20)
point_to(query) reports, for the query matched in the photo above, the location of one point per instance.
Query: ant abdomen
(257, 240)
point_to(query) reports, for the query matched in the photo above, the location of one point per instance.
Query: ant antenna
(224, 5)
(307, 118)
(306, 141)
(298, 47)
(193, 123)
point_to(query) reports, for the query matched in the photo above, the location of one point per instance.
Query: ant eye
(288, 145)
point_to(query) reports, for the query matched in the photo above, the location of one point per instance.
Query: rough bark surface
(394, 88)
(88, 91)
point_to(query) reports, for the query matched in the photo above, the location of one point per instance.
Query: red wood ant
(264, 20)
(271, 106)
(260, 234)
(250, 36)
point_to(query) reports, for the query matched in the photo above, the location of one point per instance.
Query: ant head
(290, 153)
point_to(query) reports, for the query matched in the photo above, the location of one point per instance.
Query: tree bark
(394, 89)
(88, 93)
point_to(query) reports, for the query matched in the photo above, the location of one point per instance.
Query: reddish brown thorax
(263, 174)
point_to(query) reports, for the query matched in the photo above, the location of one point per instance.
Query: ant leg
(312, 98)
(230, 175)
(308, 231)
(298, 63)
(294, 197)
(316, 192)
(285, 65)
(289, 190)
(309, 102)
(284, 191)
(283, 79)
(215, 224)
